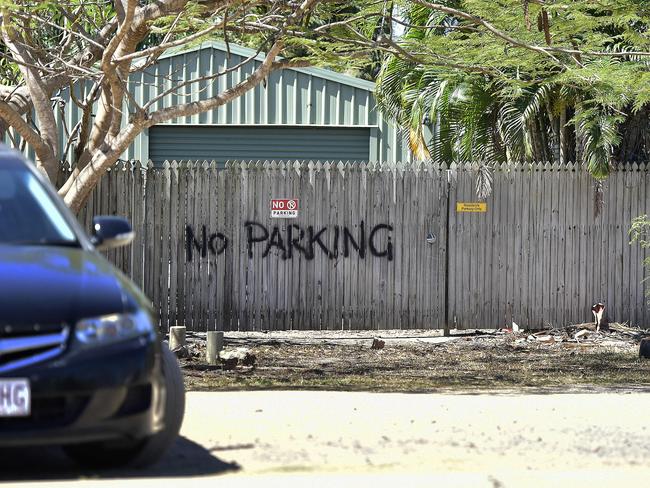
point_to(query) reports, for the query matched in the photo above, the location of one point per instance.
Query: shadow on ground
(184, 459)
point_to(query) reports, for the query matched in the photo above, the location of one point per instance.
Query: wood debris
(594, 333)
(231, 358)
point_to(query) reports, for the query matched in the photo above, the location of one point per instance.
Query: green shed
(298, 114)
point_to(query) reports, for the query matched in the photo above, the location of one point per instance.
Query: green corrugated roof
(247, 52)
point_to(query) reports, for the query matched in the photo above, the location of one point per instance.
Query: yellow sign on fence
(471, 207)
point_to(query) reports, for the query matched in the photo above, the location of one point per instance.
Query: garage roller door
(257, 143)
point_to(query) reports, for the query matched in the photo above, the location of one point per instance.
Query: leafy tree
(513, 80)
(48, 46)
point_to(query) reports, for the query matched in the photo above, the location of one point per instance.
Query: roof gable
(247, 52)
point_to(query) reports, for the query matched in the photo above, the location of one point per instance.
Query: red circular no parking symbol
(284, 208)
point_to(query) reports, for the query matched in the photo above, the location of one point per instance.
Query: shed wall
(291, 97)
(267, 143)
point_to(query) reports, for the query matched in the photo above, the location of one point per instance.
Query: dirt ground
(326, 439)
(504, 410)
(421, 361)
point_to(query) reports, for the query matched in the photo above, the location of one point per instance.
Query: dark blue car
(81, 360)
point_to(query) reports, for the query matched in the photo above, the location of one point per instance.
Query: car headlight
(112, 328)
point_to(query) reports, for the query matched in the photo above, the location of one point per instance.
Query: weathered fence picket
(369, 247)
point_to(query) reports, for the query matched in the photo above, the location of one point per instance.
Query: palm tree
(455, 115)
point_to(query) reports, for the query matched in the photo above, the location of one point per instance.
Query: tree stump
(176, 338)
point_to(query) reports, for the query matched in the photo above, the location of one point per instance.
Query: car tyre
(148, 451)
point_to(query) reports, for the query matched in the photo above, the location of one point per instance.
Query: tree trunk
(634, 131)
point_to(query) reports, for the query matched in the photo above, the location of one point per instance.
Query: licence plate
(15, 397)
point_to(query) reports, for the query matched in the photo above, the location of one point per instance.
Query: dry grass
(465, 364)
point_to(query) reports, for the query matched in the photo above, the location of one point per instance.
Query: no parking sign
(284, 208)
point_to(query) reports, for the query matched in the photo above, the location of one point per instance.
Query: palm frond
(599, 130)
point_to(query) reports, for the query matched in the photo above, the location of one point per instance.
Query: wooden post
(215, 345)
(176, 337)
(446, 331)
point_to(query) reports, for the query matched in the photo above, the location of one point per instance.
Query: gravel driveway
(301, 438)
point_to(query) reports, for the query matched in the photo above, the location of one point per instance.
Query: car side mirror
(111, 232)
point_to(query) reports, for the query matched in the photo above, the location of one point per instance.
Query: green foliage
(46, 25)
(46, 28)
(598, 129)
(548, 88)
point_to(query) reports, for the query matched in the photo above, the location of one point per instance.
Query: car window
(28, 215)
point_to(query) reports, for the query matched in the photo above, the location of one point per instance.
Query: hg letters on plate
(15, 398)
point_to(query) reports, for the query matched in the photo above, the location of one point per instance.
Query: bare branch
(291, 63)
(401, 52)
(196, 107)
(40, 95)
(192, 81)
(33, 138)
(165, 46)
(156, 10)
(490, 28)
(84, 134)
(76, 33)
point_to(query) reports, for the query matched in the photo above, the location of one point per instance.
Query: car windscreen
(28, 214)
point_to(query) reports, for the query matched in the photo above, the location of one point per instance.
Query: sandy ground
(304, 438)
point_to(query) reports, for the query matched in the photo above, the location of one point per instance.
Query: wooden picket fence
(377, 246)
